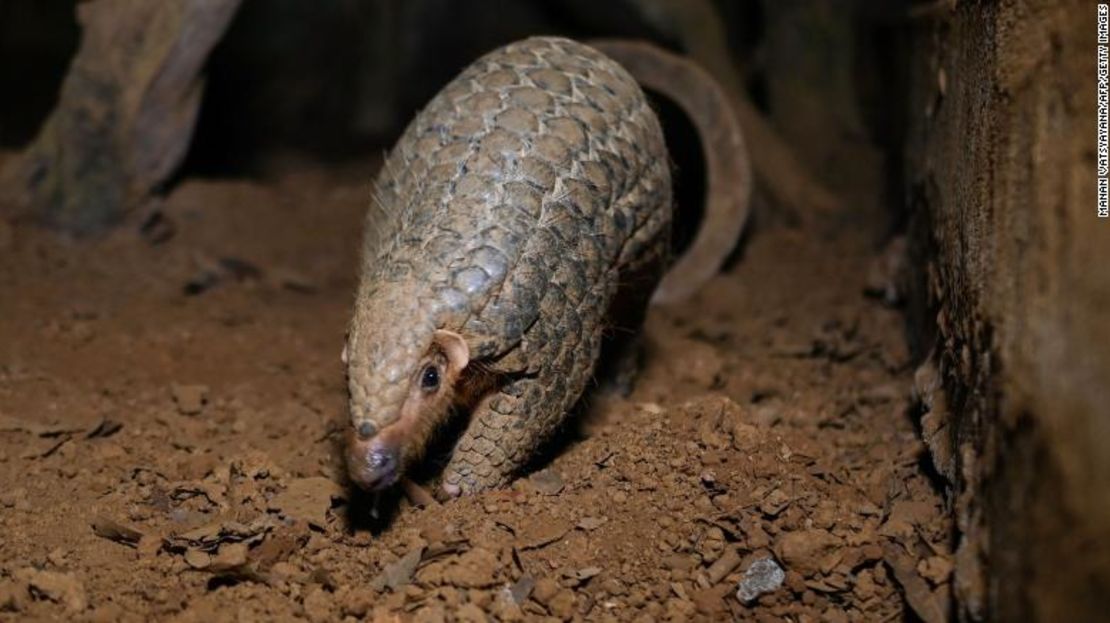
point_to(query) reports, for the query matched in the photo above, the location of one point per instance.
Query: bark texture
(126, 111)
(1016, 288)
(697, 26)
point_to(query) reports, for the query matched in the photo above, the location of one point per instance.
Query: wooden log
(699, 29)
(125, 114)
(1015, 286)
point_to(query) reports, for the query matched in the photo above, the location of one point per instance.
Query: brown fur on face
(423, 410)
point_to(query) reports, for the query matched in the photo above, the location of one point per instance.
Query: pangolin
(522, 215)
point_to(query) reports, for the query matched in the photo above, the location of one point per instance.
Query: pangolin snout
(372, 464)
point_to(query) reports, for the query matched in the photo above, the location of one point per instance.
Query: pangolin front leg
(497, 443)
(510, 425)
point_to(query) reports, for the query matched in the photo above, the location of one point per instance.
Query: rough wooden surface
(1016, 288)
(699, 29)
(126, 110)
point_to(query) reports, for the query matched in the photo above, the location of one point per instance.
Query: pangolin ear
(454, 346)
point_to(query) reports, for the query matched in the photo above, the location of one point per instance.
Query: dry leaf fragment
(308, 499)
(399, 573)
(541, 535)
(115, 531)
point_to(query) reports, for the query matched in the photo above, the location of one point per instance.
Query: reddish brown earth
(166, 455)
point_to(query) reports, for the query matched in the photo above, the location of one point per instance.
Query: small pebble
(763, 576)
(190, 399)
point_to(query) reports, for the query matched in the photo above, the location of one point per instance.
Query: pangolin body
(514, 207)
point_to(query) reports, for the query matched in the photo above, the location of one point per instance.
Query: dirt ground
(171, 403)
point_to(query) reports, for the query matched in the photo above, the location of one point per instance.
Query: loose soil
(172, 403)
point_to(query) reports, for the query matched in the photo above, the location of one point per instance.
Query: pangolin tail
(729, 175)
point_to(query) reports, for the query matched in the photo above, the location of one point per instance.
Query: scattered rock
(308, 499)
(562, 604)
(285, 571)
(504, 609)
(474, 569)
(318, 605)
(762, 576)
(680, 609)
(724, 565)
(774, 503)
(547, 481)
(149, 545)
(434, 613)
(918, 596)
(805, 550)
(745, 437)
(545, 590)
(14, 498)
(13, 596)
(197, 559)
(190, 399)
(277, 548)
(539, 535)
(678, 562)
(230, 556)
(832, 614)
(62, 588)
(710, 602)
(57, 557)
(356, 602)
(470, 613)
(323, 577)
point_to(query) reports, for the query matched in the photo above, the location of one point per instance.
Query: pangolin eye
(429, 379)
